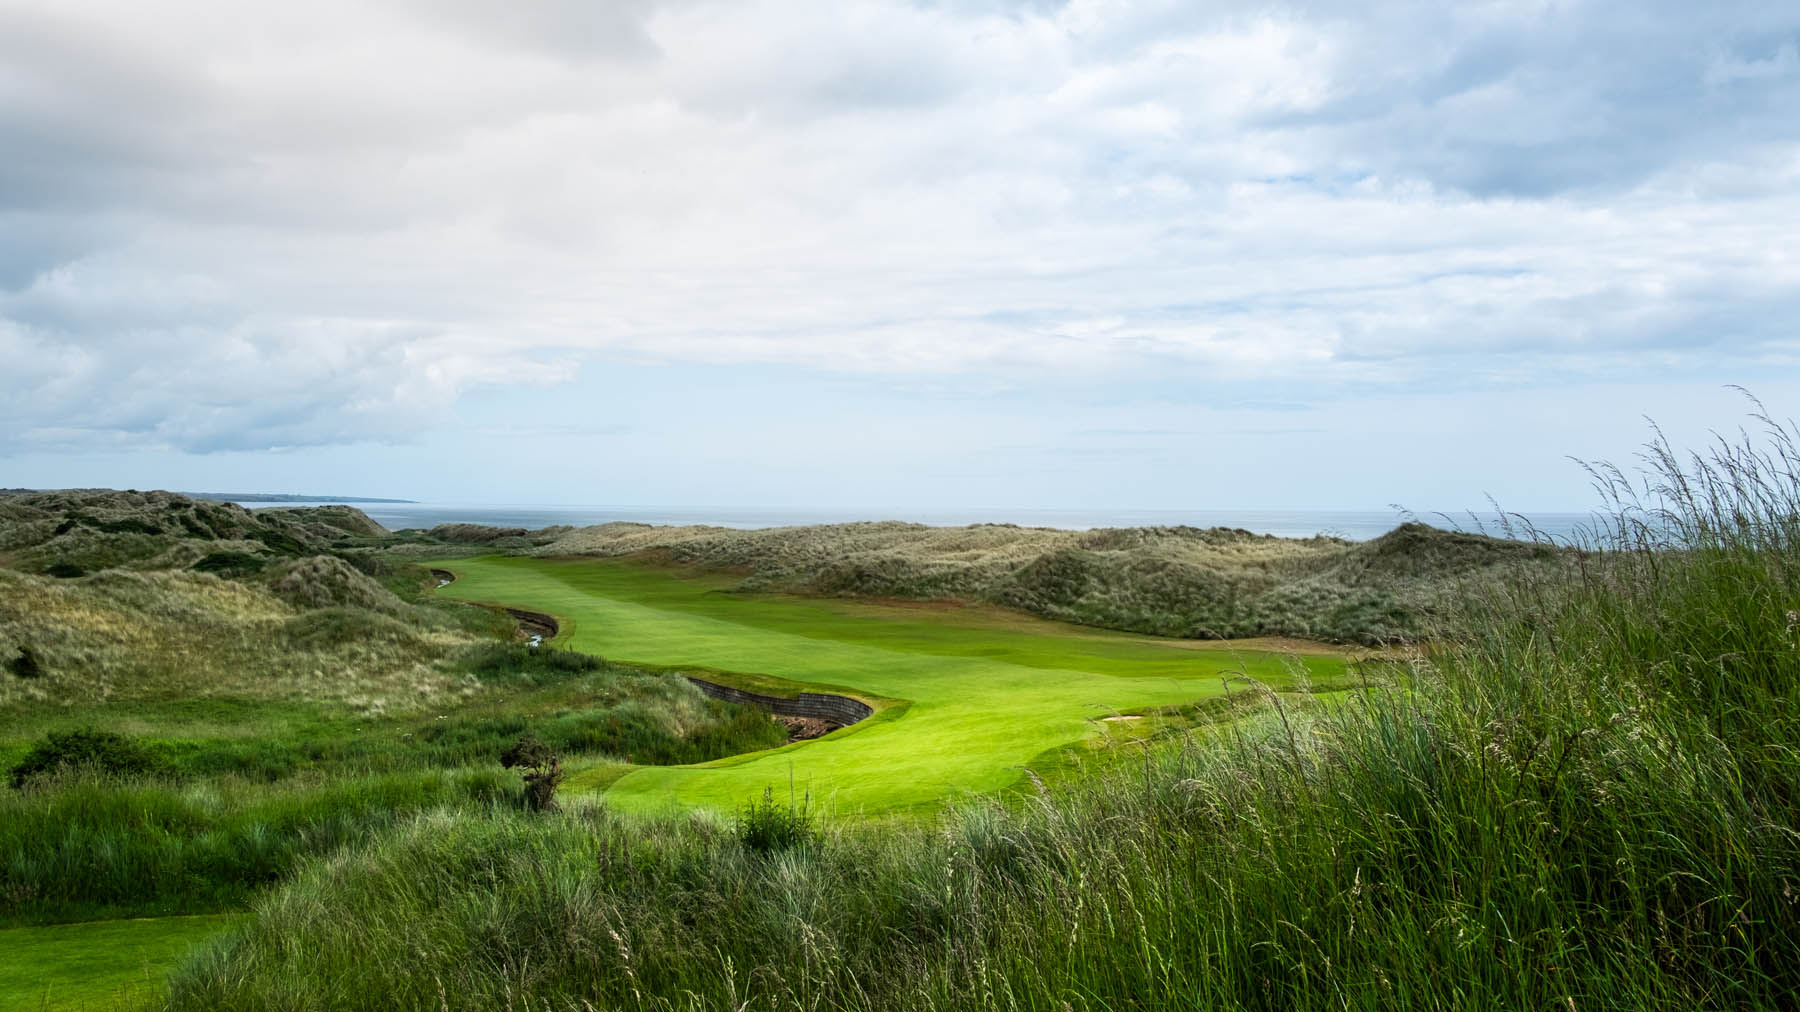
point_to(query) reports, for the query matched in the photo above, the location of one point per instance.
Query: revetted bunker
(832, 710)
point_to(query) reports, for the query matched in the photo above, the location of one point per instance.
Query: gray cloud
(275, 226)
(576, 30)
(1532, 100)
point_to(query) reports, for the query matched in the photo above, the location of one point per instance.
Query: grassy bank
(1585, 804)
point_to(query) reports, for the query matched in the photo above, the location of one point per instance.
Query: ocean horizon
(1351, 525)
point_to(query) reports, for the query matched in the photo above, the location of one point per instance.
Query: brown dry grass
(1214, 583)
(120, 636)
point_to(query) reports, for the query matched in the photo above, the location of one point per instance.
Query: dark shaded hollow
(811, 713)
(535, 623)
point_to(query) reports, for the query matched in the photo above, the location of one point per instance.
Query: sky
(1092, 254)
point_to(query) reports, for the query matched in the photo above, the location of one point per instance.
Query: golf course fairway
(966, 696)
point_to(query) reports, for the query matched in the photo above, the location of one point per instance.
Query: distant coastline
(286, 497)
(1350, 525)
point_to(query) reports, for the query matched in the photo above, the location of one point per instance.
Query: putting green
(98, 964)
(977, 692)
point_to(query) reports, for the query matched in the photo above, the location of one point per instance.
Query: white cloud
(279, 225)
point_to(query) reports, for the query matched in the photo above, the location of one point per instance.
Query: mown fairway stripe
(985, 700)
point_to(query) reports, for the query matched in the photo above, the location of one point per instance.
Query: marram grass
(1214, 583)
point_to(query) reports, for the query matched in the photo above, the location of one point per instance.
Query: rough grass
(100, 529)
(181, 598)
(307, 660)
(323, 581)
(1215, 583)
(605, 711)
(273, 715)
(240, 791)
(80, 848)
(1585, 804)
(124, 636)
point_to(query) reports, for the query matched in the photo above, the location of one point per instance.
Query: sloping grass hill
(70, 533)
(1214, 583)
(140, 598)
(116, 596)
(176, 734)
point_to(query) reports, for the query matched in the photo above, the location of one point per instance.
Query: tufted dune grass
(1584, 803)
(1211, 583)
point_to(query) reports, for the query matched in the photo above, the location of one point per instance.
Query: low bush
(279, 542)
(25, 665)
(87, 750)
(230, 564)
(539, 768)
(766, 826)
(126, 525)
(516, 663)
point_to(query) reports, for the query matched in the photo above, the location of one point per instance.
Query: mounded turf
(974, 694)
(98, 965)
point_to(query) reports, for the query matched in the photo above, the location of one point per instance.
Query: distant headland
(229, 496)
(284, 497)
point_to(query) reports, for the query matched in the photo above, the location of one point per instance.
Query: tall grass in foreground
(1588, 803)
(83, 847)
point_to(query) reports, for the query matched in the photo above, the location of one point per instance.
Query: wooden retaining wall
(823, 705)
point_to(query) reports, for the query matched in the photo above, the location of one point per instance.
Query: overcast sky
(886, 254)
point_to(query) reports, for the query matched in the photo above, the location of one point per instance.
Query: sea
(1351, 525)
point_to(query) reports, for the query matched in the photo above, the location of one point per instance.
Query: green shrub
(192, 526)
(371, 565)
(284, 544)
(539, 768)
(230, 564)
(128, 525)
(515, 663)
(64, 570)
(766, 827)
(26, 664)
(86, 750)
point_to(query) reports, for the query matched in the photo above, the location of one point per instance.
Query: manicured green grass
(988, 692)
(95, 965)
